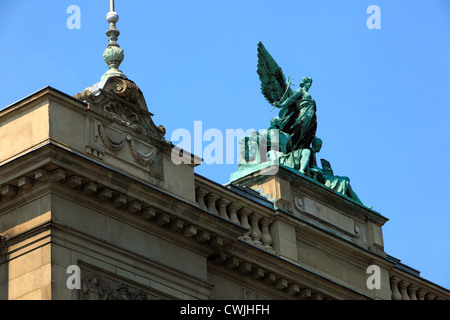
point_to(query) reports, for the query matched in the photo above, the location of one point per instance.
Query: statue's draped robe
(298, 118)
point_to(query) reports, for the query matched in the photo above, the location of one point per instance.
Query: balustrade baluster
(232, 211)
(266, 237)
(200, 194)
(421, 294)
(412, 291)
(211, 199)
(403, 285)
(256, 232)
(244, 213)
(394, 288)
(222, 205)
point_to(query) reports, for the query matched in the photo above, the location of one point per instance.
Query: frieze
(96, 286)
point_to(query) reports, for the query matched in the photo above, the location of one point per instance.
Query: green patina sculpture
(250, 151)
(298, 109)
(339, 184)
(278, 143)
(291, 138)
(297, 117)
(298, 159)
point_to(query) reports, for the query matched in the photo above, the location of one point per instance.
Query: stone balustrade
(410, 288)
(227, 205)
(264, 229)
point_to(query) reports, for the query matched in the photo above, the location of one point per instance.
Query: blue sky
(382, 95)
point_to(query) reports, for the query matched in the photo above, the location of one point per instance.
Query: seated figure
(274, 145)
(277, 142)
(304, 160)
(337, 183)
(279, 146)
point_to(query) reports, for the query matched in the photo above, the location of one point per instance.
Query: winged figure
(297, 108)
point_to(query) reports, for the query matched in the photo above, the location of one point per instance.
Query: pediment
(122, 102)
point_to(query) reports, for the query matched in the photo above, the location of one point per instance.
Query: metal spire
(113, 55)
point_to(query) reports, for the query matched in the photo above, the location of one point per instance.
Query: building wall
(140, 227)
(26, 262)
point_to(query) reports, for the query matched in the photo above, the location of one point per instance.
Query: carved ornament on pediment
(125, 89)
(122, 102)
(122, 114)
(115, 141)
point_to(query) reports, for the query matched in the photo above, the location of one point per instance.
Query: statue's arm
(297, 95)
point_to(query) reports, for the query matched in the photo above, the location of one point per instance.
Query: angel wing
(273, 82)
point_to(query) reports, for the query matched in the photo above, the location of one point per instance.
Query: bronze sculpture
(298, 109)
(291, 139)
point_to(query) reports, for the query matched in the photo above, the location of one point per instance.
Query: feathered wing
(273, 82)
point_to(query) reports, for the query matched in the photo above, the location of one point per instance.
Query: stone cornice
(110, 191)
(42, 94)
(285, 275)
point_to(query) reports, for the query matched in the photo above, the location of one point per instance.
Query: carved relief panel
(98, 286)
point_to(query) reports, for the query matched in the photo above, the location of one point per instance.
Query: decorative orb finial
(113, 54)
(112, 16)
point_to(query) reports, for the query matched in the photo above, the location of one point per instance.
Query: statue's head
(306, 82)
(316, 144)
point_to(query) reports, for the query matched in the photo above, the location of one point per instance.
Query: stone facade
(88, 181)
